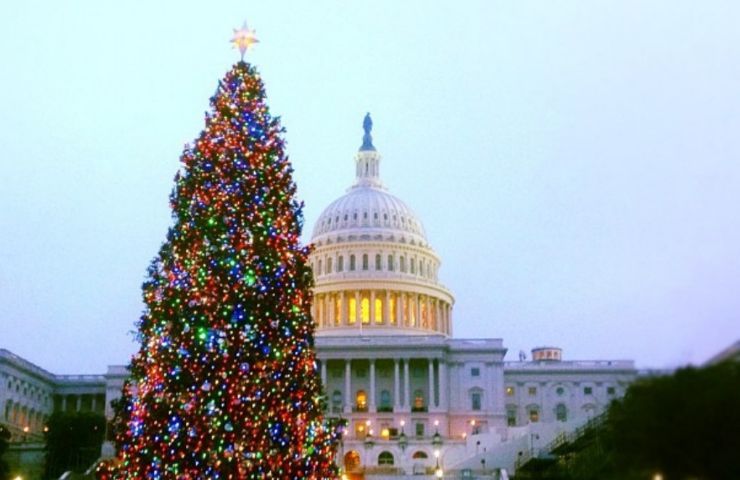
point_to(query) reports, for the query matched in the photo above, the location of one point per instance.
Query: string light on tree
(225, 384)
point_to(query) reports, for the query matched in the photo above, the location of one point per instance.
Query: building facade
(415, 399)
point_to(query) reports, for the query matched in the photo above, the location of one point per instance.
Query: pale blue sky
(575, 164)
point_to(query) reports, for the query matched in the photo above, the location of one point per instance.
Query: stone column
(428, 313)
(64, 403)
(347, 386)
(325, 313)
(323, 374)
(396, 386)
(79, 403)
(343, 309)
(406, 384)
(418, 311)
(442, 372)
(93, 402)
(437, 313)
(372, 386)
(330, 301)
(430, 403)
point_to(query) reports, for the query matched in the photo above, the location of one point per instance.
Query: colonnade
(434, 395)
(381, 308)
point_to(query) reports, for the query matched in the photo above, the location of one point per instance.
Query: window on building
(403, 264)
(378, 261)
(420, 431)
(352, 304)
(413, 265)
(532, 391)
(390, 263)
(475, 372)
(511, 417)
(352, 263)
(378, 311)
(534, 415)
(328, 265)
(320, 270)
(588, 390)
(340, 264)
(420, 455)
(385, 401)
(364, 262)
(419, 405)
(336, 401)
(475, 401)
(361, 401)
(509, 391)
(560, 391)
(561, 413)
(385, 458)
(611, 390)
(365, 312)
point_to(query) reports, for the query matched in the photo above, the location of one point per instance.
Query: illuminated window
(532, 391)
(509, 391)
(419, 401)
(365, 310)
(361, 400)
(392, 309)
(378, 311)
(352, 310)
(351, 263)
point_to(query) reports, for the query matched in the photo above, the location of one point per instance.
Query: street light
(437, 469)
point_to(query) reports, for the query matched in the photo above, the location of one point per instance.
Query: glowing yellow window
(509, 391)
(352, 310)
(361, 400)
(392, 309)
(365, 311)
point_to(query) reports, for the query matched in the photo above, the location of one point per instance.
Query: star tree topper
(244, 38)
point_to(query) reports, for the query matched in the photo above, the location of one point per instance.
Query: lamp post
(438, 472)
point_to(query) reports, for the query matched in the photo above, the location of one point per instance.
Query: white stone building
(416, 400)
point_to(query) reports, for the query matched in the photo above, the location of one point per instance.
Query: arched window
(390, 263)
(365, 264)
(378, 265)
(419, 405)
(385, 458)
(352, 461)
(403, 264)
(328, 265)
(413, 265)
(320, 271)
(351, 263)
(419, 455)
(361, 401)
(340, 264)
(561, 413)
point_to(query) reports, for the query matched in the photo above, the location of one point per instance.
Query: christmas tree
(224, 385)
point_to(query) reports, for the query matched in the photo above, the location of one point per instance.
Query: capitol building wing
(415, 399)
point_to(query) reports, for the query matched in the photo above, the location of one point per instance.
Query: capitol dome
(375, 271)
